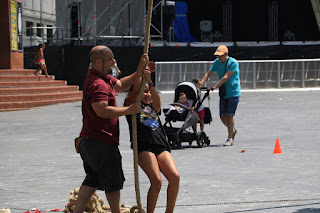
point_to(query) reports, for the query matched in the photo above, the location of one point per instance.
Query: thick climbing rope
(134, 121)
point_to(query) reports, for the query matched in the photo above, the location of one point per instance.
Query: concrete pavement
(39, 167)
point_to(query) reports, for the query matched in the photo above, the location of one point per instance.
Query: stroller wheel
(178, 142)
(171, 143)
(175, 143)
(207, 141)
(200, 143)
(205, 138)
(200, 140)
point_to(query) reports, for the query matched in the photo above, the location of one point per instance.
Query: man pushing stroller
(227, 69)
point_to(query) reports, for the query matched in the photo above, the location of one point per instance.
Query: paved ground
(39, 167)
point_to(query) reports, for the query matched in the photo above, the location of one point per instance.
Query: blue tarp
(181, 27)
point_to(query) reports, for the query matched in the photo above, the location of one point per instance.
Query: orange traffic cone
(277, 147)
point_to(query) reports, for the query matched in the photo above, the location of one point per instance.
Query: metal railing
(60, 37)
(255, 74)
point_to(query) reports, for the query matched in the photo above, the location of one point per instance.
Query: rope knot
(135, 209)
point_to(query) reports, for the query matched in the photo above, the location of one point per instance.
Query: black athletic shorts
(156, 149)
(102, 164)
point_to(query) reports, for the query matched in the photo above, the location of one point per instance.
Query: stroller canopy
(189, 89)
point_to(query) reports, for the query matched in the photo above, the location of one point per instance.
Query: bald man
(100, 131)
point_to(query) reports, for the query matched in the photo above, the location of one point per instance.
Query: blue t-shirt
(232, 85)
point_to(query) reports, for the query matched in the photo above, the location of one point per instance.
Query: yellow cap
(221, 50)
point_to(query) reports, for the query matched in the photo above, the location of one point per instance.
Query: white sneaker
(228, 143)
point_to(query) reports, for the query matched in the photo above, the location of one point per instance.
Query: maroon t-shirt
(97, 88)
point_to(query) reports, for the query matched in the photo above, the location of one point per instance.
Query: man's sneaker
(234, 133)
(228, 143)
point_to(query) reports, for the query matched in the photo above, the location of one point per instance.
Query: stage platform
(233, 44)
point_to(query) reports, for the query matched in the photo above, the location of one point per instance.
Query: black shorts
(102, 164)
(156, 149)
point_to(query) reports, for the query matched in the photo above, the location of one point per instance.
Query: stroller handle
(206, 89)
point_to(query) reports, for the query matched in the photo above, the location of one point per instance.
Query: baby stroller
(188, 115)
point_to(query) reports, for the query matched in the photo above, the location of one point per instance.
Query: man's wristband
(151, 84)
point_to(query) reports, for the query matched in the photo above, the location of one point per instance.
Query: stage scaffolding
(122, 22)
(108, 22)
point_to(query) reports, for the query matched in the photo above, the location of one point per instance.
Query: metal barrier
(258, 74)
(61, 37)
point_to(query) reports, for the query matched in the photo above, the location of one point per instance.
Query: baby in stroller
(183, 99)
(184, 110)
